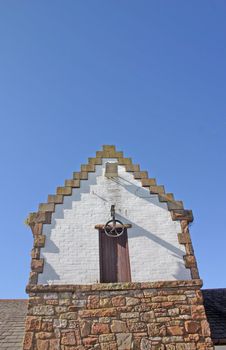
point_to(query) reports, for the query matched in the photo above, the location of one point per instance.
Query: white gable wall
(71, 251)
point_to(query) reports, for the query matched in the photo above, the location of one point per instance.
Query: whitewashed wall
(71, 252)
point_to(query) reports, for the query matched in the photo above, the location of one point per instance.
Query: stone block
(33, 323)
(190, 261)
(28, 341)
(39, 241)
(66, 191)
(109, 148)
(37, 265)
(148, 182)
(118, 326)
(140, 175)
(72, 183)
(45, 310)
(90, 341)
(175, 330)
(192, 326)
(106, 338)
(157, 189)
(124, 341)
(68, 338)
(130, 301)
(100, 328)
(50, 207)
(55, 198)
(42, 344)
(118, 301)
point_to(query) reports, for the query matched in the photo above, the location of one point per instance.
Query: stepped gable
(44, 214)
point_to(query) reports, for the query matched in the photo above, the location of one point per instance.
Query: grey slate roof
(12, 319)
(215, 306)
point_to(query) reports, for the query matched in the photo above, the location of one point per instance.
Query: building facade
(113, 265)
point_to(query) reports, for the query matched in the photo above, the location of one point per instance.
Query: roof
(215, 306)
(12, 323)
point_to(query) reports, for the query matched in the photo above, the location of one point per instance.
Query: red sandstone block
(100, 328)
(28, 340)
(175, 330)
(192, 326)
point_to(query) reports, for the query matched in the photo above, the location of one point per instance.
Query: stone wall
(157, 315)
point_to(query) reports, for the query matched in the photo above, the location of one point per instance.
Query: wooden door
(114, 258)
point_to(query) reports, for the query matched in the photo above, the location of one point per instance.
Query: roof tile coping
(109, 151)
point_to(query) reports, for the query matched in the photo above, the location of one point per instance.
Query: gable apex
(43, 215)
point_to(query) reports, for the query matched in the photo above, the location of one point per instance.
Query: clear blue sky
(148, 76)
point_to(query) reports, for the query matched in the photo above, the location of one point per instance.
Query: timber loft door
(114, 258)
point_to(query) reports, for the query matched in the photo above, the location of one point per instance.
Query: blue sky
(148, 76)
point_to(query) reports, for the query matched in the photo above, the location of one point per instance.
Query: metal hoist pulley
(114, 228)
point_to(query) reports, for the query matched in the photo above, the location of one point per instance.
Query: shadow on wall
(138, 231)
(140, 192)
(49, 271)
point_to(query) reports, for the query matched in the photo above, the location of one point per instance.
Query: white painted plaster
(71, 251)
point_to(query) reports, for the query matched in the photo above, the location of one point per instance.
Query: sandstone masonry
(123, 316)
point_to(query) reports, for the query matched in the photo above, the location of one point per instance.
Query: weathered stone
(85, 328)
(90, 341)
(69, 316)
(190, 346)
(155, 329)
(44, 335)
(105, 302)
(173, 312)
(33, 323)
(93, 302)
(118, 326)
(176, 297)
(54, 344)
(132, 301)
(47, 310)
(198, 312)
(57, 323)
(28, 340)
(37, 265)
(135, 326)
(98, 312)
(39, 241)
(68, 338)
(192, 326)
(129, 314)
(109, 346)
(100, 328)
(106, 338)
(118, 301)
(175, 330)
(147, 316)
(124, 341)
(205, 328)
(145, 344)
(42, 344)
(170, 347)
(47, 326)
